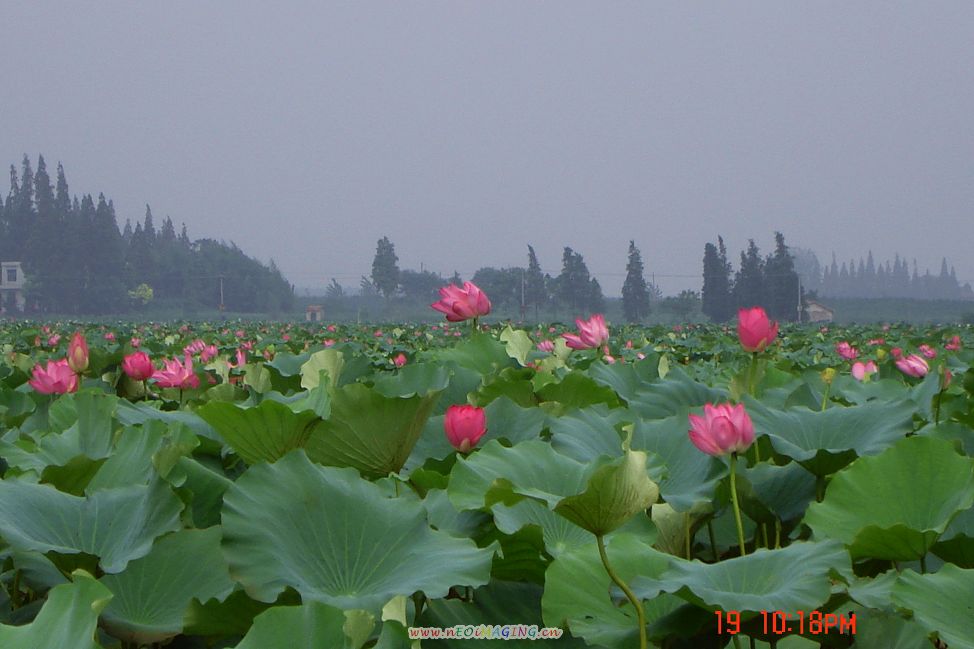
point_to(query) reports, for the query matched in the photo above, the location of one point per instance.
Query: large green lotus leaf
(206, 482)
(261, 434)
(478, 351)
(73, 477)
(132, 414)
(131, 463)
(883, 630)
(613, 495)
(674, 395)
(588, 433)
(687, 477)
(519, 344)
(442, 515)
(512, 383)
(789, 579)
(312, 625)
(507, 420)
(559, 534)
(625, 379)
(577, 390)
(499, 603)
(415, 379)
(153, 593)
(825, 441)
(116, 525)
(337, 539)
(89, 434)
(531, 469)
(329, 360)
(941, 602)
(858, 392)
(231, 617)
(288, 364)
(576, 595)
(956, 545)
(785, 490)
(953, 431)
(69, 618)
(369, 431)
(895, 505)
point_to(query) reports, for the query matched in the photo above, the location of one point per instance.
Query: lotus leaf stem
(640, 615)
(737, 507)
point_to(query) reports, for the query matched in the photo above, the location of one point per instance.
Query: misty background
(465, 131)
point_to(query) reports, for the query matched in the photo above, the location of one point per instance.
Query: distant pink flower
(240, 333)
(459, 304)
(954, 344)
(592, 333)
(896, 352)
(913, 365)
(754, 330)
(861, 370)
(329, 342)
(53, 340)
(628, 344)
(928, 351)
(78, 353)
(56, 378)
(640, 355)
(546, 346)
(609, 358)
(378, 333)
(209, 352)
(176, 374)
(846, 351)
(722, 429)
(110, 337)
(877, 341)
(678, 328)
(399, 360)
(138, 366)
(135, 342)
(330, 328)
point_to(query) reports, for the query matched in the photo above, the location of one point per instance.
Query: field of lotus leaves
(257, 485)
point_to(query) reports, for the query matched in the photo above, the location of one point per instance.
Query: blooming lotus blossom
(592, 333)
(896, 352)
(877, 341)
(54, 340)
(913, 365)
(110, 337)
(176, 374)
(954, 344)
(546, 346)
(755, 330)
(399, 360)
(135, 342)
(78, 353)
(56, 378)
(722, 429)
(464, 426)
(846, 351)
(862, 370)
(138, 366)
(208, 352)
(928, 351)
(459, 304)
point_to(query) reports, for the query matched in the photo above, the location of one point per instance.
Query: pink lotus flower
(913, 365)
(138, 366)
(846, 351)
(754, 330)
(110, 337)
(723, 429)
(546, 346)
(459, 304)
(877, 341)
(861, 370)
(78, 353)
(56, 378)
(928, 351)
(177, 375)
(954, 344)
(54, 340)
(896, 352)
(208, 352)
(399, 360)
(331, 328)
(135, 342)
(464, 426)
(592, 333)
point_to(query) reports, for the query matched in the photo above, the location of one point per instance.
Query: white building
(11, 286)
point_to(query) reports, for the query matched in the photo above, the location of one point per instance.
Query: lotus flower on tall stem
(459, 304)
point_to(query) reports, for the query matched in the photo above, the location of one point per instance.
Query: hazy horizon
(465, 131)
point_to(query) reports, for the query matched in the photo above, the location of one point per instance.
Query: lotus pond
(278, 485)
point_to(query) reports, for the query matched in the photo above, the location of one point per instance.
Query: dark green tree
(781, 282)
(635, 293)
(385, 269)
(596, 301)
(572, 285)
(535, 289)
(717, 301)
(502, 285)
(749, 281)
(422, 286)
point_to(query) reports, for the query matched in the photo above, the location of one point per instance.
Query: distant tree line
(76, 260)
(573, 292)
(868, 279)
(770, 282)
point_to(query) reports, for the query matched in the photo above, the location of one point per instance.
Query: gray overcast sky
(465, 130)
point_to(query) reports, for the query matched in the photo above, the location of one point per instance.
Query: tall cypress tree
(749, 281)
(106, 288)
(635, 293)
(573, 288)
(385, 268)
(44, 251)
(536, 293)
(781, 282)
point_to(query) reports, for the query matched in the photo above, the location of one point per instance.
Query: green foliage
(385, 268)
(635, 293)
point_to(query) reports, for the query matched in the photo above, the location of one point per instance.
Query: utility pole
(799, 299)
